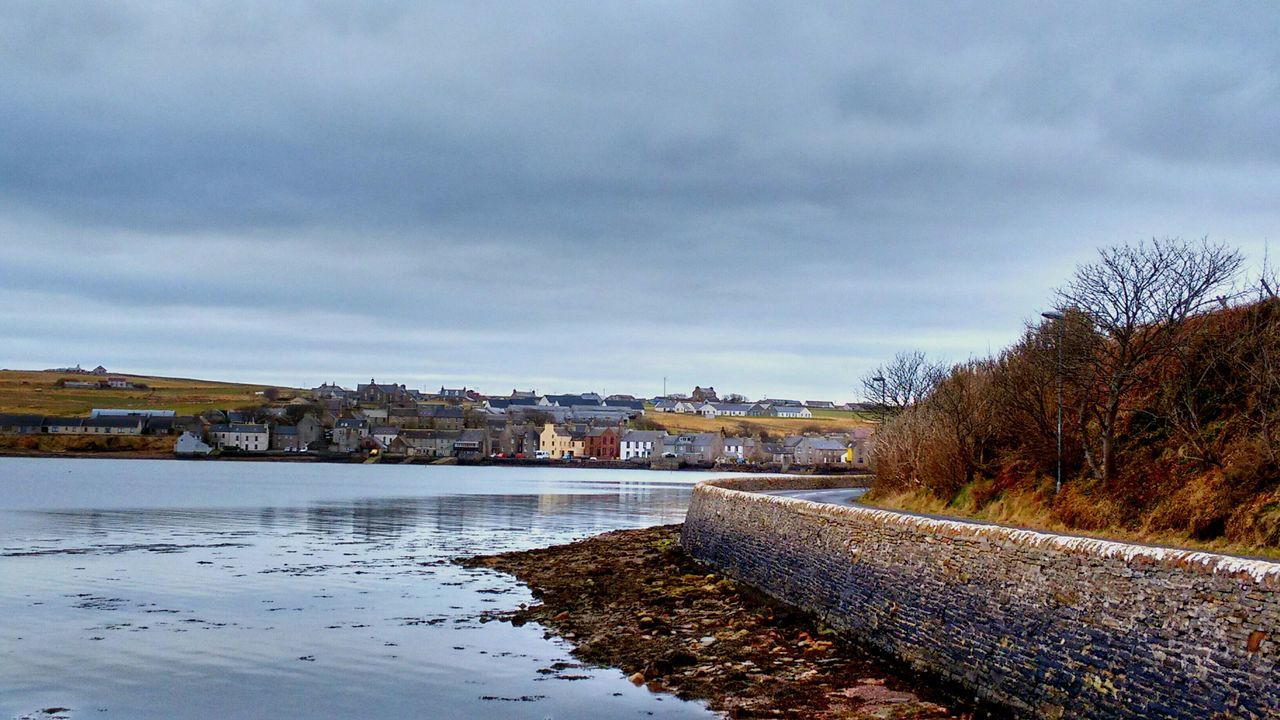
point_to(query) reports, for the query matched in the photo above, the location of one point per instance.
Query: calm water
(163, 589)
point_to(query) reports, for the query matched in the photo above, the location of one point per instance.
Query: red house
(602, 443)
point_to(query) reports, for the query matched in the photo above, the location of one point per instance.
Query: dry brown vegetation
(1171, 429)
(131, 445)
(39, 393)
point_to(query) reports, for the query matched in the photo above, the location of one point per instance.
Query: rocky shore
(632, 599)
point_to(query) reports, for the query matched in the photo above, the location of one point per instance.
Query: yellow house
(554, 441)
(559, 442)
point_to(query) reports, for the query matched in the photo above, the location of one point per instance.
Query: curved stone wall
(1051, 626)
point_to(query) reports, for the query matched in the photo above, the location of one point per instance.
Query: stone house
(403, 417)
(285, 438)
(820, 451)
(425, 443)
(701, 394)
(471, 444)
(374, 393)
(694, 447)
(514, 439)
(348, 434)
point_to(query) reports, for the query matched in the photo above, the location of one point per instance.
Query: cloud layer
(763, 197)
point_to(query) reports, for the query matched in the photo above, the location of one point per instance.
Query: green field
(38, 393)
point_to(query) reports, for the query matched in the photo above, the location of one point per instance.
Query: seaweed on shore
(633, 599)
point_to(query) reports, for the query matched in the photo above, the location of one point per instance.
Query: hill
(38, 392)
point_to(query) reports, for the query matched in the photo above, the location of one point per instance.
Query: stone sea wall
(1050, 626)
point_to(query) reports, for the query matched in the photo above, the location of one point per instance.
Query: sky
(770, 198)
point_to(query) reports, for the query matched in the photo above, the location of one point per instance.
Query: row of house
(101, 422)
(719, 409)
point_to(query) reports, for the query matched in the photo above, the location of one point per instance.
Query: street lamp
(884, 405)
(1058, 317)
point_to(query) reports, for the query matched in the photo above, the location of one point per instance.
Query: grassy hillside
(822, 421)
(37, 392)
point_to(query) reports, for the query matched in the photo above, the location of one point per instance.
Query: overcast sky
(770, 198)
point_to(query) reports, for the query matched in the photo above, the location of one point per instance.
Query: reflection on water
(201, 589)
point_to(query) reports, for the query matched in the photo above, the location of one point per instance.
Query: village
(389, 422)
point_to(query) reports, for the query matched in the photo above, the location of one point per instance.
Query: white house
(640, 444)
(730, 409)
(241, 436)
(736, 448)
(791, 411)
(190, 444)
(385, 434)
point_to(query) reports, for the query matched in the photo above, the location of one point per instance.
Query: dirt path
(632, 599)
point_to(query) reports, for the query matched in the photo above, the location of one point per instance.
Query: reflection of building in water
(582, 507)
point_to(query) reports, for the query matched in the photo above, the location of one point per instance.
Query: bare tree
(905, 381)
(1136, 300)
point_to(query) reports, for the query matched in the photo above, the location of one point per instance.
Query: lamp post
(884, 404)
(1057, 318)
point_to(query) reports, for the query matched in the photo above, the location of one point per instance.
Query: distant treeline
(1168, 365)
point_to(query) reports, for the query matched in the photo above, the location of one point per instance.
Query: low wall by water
(1050, 626)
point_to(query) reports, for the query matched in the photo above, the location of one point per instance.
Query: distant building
(701, 394)
(640, 444)
(384, 434)
(820, 451)
(21, 424)
(471, 444)
(349, 433)
(602, 443)
(426, 443)
(248, 437)
(189, 443)
(791, 411)
(143, 412)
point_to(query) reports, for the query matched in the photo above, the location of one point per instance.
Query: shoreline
(402, 460)
(632, 599)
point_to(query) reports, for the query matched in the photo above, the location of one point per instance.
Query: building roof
(822, 443)
(571, 400)
(384, 430)
(472, 435)
(644, 436)
(286, 430)
(21, 420)
(624, 403)
(238, 428)
(415, 434)
(100, 412)
(731, 407)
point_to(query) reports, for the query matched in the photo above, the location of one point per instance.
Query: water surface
(166, 589)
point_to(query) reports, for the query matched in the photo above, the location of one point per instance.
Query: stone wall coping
(1265, 573)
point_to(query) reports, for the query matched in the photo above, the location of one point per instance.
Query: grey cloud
(405, 187)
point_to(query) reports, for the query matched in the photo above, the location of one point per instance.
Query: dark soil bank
(632, 599)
